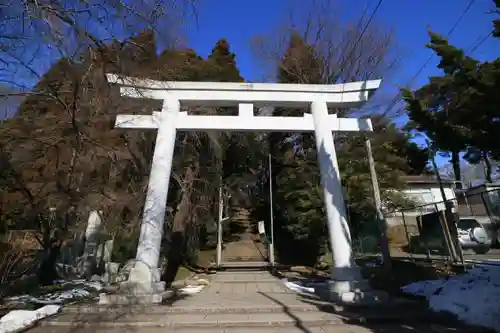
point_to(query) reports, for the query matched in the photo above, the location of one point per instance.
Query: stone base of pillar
(143, 279)
(142, 287)
(131, 299)
(355, 293)
(348, 287)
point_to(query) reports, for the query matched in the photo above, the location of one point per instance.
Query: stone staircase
(240, 302)
(248, 249)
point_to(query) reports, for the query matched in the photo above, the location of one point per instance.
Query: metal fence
(419, 232)
(484, 204)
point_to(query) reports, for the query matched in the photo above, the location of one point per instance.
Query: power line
(469, 6)
(480, 42)
(361, 34)
(365, 28)
(428, 61)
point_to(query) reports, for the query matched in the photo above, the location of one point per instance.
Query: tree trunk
(487, 167)
(47, 272)
(455, 162)
(176, 250)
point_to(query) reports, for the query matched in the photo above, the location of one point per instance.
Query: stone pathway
(235, 302)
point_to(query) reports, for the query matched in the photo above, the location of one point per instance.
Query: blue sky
(238, 21)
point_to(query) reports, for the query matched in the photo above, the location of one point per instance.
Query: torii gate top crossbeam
(219, 94)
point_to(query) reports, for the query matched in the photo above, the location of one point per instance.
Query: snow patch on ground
(68, 291)
(76, 289)
(190, 290)
(473, 297)
(19, 319)
(303, 287)
(492, 262)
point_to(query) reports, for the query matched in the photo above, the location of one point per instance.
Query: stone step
(166, 310)
(193, 320)
(258, 273)
(247, 265)
(344, 328)
(255, 257)
(247, 279)
(254, 280)
(210, 314)
(231, 322)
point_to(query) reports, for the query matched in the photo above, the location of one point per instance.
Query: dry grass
(206, 258)
(23, 239)
(183, 273)
(398, 238)
(403, 273)
(15, 262)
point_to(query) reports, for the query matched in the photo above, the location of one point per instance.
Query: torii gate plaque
(145, 276)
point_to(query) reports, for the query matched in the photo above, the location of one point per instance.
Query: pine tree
(458, 110)
(496, 22)
(221, 63)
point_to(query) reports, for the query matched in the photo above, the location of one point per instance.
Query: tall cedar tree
(299, 212)
(196, 162)
(74, 160)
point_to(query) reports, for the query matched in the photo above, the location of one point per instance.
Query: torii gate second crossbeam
(145, 274)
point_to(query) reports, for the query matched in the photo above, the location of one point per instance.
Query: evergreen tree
(299, 213)
(203, 159)
(221, 63)
(496, 22)
(459, 110)
(70, 147)
(428, 115)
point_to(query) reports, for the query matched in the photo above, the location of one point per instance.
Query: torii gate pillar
(346, 283)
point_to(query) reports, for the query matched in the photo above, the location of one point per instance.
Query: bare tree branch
(334, 44)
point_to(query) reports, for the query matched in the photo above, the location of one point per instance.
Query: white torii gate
(145, 275)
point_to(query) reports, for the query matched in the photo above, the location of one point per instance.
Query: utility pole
(384, 241)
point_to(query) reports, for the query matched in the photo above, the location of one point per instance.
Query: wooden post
(452, 246)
